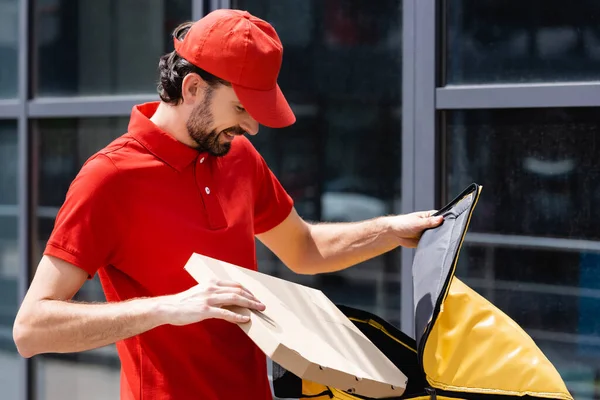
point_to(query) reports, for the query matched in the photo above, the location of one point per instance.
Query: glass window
(539, 169)
(9, 28)
(102, 47)
(342, 73)
(489, 41)
(9, 259)
(61, 146)
(540, 172)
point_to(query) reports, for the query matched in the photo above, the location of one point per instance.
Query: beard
(199, 128)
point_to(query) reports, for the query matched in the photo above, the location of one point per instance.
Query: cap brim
(267, 107)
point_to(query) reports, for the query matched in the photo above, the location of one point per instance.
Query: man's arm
(49, 322)
(327, 247)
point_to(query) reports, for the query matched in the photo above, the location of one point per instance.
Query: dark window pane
(342, 72)
(102, 46)
(539, 168)
(293, 156)
(9, 28)
(336, 49)
(9, 259)
(490, 41)
(61, 148)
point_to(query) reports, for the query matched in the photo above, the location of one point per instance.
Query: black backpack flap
(286, 385)
(398, 347)
(435, 261)
(467, 347)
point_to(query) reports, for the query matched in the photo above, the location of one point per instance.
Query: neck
(169, 120)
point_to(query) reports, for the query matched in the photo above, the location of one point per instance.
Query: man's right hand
(48, 322)
(210, 301)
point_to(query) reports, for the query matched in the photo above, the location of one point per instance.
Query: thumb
(432, 221)
(425, 214)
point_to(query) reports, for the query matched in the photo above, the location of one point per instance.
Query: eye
(240, 109)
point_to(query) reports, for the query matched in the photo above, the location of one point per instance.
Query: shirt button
(207, 190)
(201, 160)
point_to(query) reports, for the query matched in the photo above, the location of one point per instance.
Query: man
(184, 179)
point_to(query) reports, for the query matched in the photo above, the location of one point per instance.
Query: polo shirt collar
(158, 142)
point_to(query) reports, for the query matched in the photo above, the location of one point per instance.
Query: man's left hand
(408, 228)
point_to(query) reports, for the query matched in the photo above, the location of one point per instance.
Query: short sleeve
(86, 231)
(272, 204)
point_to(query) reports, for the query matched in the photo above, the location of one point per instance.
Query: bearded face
(201, 127)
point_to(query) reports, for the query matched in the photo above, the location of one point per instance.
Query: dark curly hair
(173, 69)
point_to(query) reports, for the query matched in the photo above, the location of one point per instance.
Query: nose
(250, 125)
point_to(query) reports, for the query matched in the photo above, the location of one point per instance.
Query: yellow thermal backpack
(465, 347)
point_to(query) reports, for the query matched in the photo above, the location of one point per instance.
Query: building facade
(400, 105)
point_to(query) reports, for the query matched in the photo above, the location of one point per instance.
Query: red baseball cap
(246, 51)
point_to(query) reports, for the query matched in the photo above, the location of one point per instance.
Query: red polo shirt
(134, 214)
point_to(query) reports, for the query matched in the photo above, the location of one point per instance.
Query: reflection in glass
(491, 41)
(9, 259)
(61, 148)
(102, 47)
(341, 162)
(9, 29)
(539, 169)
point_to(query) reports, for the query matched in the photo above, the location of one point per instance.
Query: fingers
(235, 290)
(231, 284)
(431, 220)
(425, 219)
(435, 221)
(234, 299)
(223, 300)
(228, 283)
(224, 287)
(426, 214)
(227, 315)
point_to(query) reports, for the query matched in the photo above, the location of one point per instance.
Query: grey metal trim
(571, 338)
(42, 212)
(540, 288)
(10, 109)
(425, 115)
(408, 158)
(217, 4)
(197, 9)
(420, 82)
(9, 210)
(89, 106)
(519, 96)
(24, 196)
(108, 106)
(532, 242)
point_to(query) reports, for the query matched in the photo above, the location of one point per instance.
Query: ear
(192, 88)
